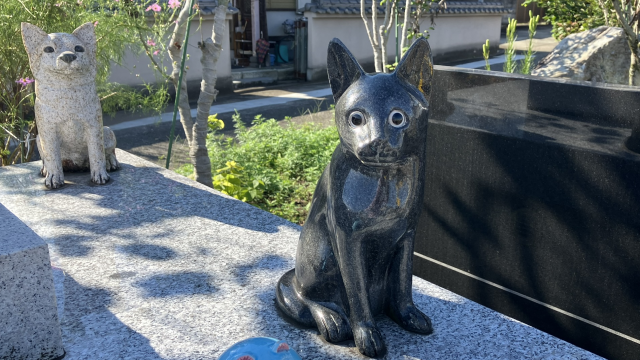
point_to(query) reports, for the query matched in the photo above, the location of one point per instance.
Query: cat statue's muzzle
(67, 57)
(377, 152)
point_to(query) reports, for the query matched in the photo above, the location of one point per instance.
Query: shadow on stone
(178, 284)
(273, 263)
(83, 308)
(149, 251)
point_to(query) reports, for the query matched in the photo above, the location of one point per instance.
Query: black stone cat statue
(354, 257)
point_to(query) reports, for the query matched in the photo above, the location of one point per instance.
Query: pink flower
(24, 82)
(155, 7)
(156, 52)
(95, 24)
(151, 43)
(174, 4)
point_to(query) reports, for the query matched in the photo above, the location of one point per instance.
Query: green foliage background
(279, 166)
(572, 16)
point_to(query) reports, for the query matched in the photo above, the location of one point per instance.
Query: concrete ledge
(29, 326)
(157, 266)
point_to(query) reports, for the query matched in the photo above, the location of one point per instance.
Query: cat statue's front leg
(352, 264)
(49, 148)
(401, 307)
(95, 142)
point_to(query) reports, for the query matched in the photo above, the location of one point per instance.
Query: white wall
(452, 33)
(136, 70)
(275, 18)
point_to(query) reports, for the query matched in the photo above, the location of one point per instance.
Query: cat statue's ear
(416, 67)
(33, 37)
(342, 67)
(87, 34)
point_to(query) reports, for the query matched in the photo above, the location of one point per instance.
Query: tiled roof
(207, 7)
(349, 7)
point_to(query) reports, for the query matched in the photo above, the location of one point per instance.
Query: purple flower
(156, 52)
(150, 42)
(174, 4)
(155, 7)
(24, 82)
(95, 24)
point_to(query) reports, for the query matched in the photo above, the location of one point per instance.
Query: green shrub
(278, 166)
(573, 16)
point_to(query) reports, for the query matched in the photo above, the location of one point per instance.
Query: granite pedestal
(156, 266)
(29, 326)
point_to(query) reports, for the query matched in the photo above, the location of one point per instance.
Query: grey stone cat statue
(354, 258)
(67, 108)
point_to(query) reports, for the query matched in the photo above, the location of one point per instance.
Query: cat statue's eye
(356, 119)
(48, 49)
(78, 48)
(397, 119)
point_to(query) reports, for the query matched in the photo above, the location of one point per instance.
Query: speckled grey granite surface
(29, 326)
(156, 266)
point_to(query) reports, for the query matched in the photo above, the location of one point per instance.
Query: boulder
(598, 55)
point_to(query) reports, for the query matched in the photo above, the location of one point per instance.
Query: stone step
(276, 72)
(254, 81)
(286, 73)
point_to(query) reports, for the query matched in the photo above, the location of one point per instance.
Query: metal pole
(175, 104)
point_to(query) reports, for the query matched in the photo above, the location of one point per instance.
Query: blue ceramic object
(354, 258)
(260, 348)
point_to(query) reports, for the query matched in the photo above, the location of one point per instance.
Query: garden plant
(281, 177)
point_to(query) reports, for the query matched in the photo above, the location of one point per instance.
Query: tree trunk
(373, 36)
(384, 32)
(405, 26)
(196, 133)
(211, 50)
(175, 53)
(629, 22)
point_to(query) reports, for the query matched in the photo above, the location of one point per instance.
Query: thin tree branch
(371, 33)
(153, 61)
(405, 25)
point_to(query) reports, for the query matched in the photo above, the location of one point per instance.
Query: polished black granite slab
(532, 208)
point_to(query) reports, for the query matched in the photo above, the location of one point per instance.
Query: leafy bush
(573, 16)
(231, 180)
(275, 167)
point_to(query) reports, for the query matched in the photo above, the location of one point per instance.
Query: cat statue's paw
(369, 340)
(332, 326)
(112, 162)
(100, 176)
(53, 180)
(412, 319)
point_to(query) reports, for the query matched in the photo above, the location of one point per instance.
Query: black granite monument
(354, 258)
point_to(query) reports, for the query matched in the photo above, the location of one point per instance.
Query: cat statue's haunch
(67, 108)
(354, 258)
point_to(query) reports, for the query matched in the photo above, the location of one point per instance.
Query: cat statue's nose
(67, 57)
(378, 145)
